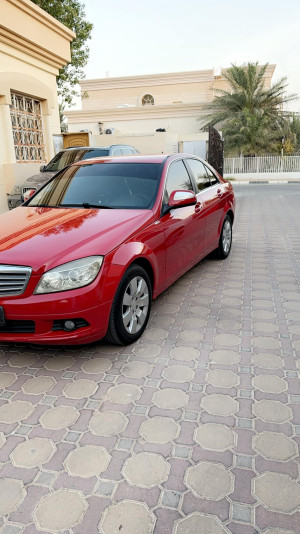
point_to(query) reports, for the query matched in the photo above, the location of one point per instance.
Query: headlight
(70, 275)
(16, 190)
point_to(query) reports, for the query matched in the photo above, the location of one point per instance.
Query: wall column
(7, 154)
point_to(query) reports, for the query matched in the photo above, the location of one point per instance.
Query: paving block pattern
(193, 429)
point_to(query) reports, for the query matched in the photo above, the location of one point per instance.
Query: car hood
(39, 179)
(43, 238)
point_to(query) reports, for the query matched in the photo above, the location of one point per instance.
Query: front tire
(131, 307)
(225, 240)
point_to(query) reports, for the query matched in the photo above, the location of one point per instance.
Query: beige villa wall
(172, 125)
(33, 47)
(179, 100)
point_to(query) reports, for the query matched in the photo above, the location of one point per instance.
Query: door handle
(198, 207)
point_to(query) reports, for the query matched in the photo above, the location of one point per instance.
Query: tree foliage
(249, 114)
(70, 13)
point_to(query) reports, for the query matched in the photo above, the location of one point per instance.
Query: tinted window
(115, 185)
(199, 173)
(66, 157)
(96, 153)
(178, 178)
(213, 179)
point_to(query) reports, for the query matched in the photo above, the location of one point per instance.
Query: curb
(263, 182)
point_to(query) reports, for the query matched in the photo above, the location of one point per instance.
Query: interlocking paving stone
(200, 523)
(218, 404)
(127, 517)
(159, 429)
(80, 389)
(146, 470)
(215, 437)
(108, 423)
(60, 510)
(272, 411)
(12, 493)
(213, 382)
(15, 411)
(275, 446)
(87, 461)
(59, 417)
(209, 480)
(33, 452)
(7, 379)
(277, 492)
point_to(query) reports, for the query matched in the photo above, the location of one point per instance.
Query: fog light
(69, 325)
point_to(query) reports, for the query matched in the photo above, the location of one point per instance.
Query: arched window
(147, 100)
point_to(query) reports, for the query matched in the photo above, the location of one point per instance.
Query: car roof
(136, 158)
(107, 147)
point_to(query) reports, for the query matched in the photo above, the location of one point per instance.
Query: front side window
(147, 100)
(27, 127)
(102, 185)
(199, 173)
(177, 178)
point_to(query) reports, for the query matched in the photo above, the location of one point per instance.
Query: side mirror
(42, 168)
(182, 198)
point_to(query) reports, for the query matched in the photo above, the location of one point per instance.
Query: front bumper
(91, 304)
(14, 201)
(95, 320)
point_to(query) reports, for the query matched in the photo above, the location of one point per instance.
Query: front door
(184, 227)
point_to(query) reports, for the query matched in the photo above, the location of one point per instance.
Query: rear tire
(130, 308)
(225, 240)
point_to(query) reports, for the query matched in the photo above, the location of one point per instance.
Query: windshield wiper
(85, 205)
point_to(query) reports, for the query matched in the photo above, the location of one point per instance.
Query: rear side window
(177, 178)
(96, 153)
(116, 152)
(213, 179)
(199, 172)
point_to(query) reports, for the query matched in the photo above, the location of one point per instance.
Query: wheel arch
(146, 265)
(231, 215)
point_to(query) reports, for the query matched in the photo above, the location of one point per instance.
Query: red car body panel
(44, 238)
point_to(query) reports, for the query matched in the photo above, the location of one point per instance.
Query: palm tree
(249, 114)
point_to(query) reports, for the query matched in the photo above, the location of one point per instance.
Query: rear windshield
(66, 157)
(102, 185)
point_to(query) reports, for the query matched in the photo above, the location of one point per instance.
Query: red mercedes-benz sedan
(83, 258)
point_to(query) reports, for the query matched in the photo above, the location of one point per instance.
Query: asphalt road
(193, 429)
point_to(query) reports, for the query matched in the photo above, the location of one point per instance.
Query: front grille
(18, 327)
(13, 279)
(28, 189)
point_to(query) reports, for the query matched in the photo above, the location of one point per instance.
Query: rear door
(211, 195)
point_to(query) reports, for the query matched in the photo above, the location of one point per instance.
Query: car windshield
(66, 157)
(102, 185)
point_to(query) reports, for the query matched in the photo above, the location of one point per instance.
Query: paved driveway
(195, 429)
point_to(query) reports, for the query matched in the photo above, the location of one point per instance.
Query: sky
(134, 37)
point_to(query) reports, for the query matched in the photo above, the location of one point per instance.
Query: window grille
(27, 126)
(147, 100)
